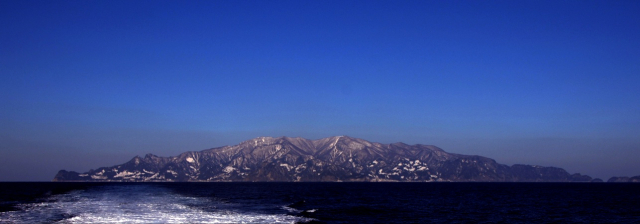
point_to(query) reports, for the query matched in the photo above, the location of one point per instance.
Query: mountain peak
(337, 158)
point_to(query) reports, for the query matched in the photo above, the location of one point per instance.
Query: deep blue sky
(85, 84)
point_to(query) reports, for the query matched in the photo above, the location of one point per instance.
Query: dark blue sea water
(319, 202)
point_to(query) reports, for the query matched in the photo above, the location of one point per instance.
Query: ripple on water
(136, 204)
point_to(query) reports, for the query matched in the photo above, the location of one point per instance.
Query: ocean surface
(46, 202)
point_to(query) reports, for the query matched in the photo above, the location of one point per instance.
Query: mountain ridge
(624, 179)
(337, 158)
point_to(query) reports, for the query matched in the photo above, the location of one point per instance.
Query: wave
(136, 204)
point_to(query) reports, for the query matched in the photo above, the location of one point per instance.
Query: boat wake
(136, 204)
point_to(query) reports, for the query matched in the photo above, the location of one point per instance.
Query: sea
(345, 202)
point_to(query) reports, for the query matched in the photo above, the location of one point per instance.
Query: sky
(85, 84)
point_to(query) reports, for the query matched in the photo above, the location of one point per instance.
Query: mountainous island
(333, 159)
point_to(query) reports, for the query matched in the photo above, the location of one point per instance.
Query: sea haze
(319, 202)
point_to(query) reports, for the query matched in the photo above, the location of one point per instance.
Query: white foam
(290, 209)
(136, 204)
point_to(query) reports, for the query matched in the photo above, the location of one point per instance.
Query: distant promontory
(634, 179)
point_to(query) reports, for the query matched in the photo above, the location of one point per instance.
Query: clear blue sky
(85, 84)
